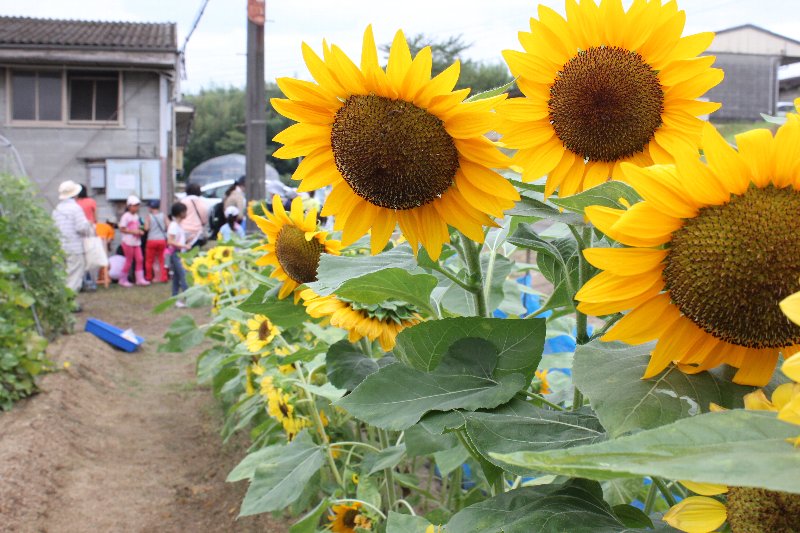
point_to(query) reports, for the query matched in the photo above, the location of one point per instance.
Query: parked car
(214, 192)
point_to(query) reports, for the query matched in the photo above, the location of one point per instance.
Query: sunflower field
(573, 310)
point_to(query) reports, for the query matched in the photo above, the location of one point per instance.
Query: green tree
(220, 127)
(477, 75)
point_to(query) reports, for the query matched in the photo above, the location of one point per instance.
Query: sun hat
(133, 200)
(68, 189)
(231, 211)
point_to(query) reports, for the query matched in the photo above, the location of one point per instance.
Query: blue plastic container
(112, 335)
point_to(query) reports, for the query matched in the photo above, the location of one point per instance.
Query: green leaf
(397, 396)
(368, 490)
(606, 194)
(419, 441)
(326, 390)
(519, 425)
(387, 284)
(632, 517)
(610, 375)
(283, 313)
(310, 521)
(405, 523)
(530, 207)
(182, 335)
(496, 269)
(386, 458)
(519, 343)
(347, 367)
(738, 447)
(278, 483)
(335, 270)
(449, 460)
(576, 506)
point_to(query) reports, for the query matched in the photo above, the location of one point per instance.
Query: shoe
(140, 279)
(124, 282)
(180, 304)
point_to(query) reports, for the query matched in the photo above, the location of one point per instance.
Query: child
(233, 225)
(132, 243)
(155, 224)
(176, 240)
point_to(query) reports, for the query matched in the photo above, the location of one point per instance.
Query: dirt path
(120, 442)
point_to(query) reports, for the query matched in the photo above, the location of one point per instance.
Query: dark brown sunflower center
(349, 518)
(392, 153)
(606, 104)
(729, 267)
(763, 510)
(264, 330)
(298, 257)
(284, 409)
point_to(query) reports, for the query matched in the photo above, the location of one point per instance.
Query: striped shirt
(72, 225)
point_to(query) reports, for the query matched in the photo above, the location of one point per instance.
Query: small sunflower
(294, 245)
(220, 254)
(541, 381)
(346, 518)
(203, 272)
(396, 145)
(237, 331)
(261, 332)
(710, 253)
(281, 408)
(382, 322)
(603, 87)
(744, 508)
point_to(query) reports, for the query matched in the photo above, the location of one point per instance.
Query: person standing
(89, 206)
(235, 196)
(129, 226)
(155, 224)
(196, 219)
(72, 227)
(176, 240)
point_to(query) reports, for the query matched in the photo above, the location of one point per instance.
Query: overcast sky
(215, 52)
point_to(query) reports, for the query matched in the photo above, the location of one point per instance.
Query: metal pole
(256, 101)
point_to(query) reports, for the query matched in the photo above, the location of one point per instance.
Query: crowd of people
(151, 242)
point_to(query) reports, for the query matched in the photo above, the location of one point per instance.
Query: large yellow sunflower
(711, 251)
(294, 245)
(382, 322)
(396, 145)
(602, 87)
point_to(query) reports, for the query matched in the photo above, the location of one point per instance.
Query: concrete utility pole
(256, 101)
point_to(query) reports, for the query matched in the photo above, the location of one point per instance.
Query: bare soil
(119, 441)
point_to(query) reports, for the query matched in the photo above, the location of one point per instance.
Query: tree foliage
(220, 126)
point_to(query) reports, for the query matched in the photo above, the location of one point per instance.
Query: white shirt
(176, 232)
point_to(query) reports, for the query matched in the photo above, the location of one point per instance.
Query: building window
(36, 95)
(93, 96)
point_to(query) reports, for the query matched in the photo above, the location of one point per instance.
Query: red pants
(154, 250)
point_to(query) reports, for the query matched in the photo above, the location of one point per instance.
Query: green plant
(34, 301)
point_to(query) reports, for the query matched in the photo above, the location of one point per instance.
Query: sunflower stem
(326, 442)
(610, 321)
(650, 501)
(452, 277)
(391, 495)
(540, 398)
(581, 320)
(472, 257)
(664, 489)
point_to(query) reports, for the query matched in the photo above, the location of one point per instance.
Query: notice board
(125, 177)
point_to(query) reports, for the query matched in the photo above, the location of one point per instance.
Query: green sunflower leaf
(519, 425)
(280, 481)
(531, 207)
(387, 284)
(610, 375)
(182, 334)
(491, 92)
(397, 396)
(737, 447)
(283, 313)
(576, 506)
(336, 270)
(347, 367)
(518, 343)
(606, 194)
(405, 523)
(310, 521)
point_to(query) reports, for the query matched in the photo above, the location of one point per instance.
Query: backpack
(217, 219)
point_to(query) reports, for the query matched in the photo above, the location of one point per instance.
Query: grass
(729, 130)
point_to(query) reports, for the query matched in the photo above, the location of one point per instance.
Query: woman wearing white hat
(73, 227)
(233, 225)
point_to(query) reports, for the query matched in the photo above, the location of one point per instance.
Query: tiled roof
(24, 31)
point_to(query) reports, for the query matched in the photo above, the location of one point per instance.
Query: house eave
(89, 56)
